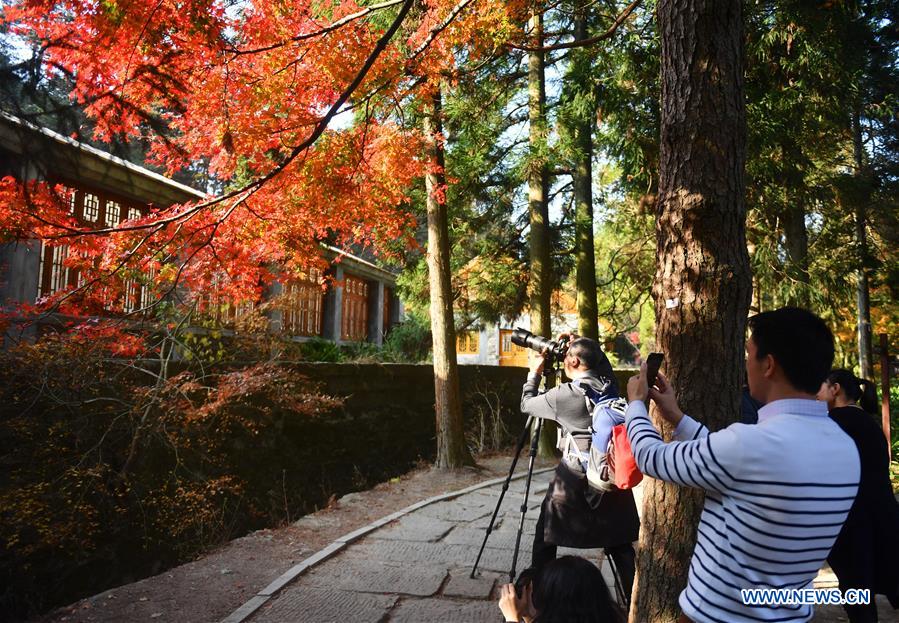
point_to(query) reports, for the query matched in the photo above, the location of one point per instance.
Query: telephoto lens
(555, 349)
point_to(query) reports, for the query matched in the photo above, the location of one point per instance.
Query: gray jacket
(570, 519)
(565, 404)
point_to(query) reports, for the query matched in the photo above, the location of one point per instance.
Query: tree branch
(608, 34)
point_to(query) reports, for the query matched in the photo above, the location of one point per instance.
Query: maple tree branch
(343, 21)
(140, 36)
(319, 129)
(622, 17)
(439, 28)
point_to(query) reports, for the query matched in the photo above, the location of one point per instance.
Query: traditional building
(491, 343)
(104, 190)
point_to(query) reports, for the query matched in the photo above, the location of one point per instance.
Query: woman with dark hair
(866, 553)
(567, 590)
(843, 389)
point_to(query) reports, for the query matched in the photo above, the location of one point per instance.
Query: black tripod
(535, 439)
(551, 377)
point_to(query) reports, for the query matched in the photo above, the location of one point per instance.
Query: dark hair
(590, 353)
(799, 341)
(572, 590)
(857, 390)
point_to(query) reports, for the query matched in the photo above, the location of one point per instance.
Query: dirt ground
(210, 588)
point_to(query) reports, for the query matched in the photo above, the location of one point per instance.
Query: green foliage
(361, 352)
(630, 118)
(625, 267)
(320, 349)
(485, 173)
(409, 342)
(810, 71)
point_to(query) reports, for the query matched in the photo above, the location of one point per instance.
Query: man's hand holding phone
(638, 386)
(663, 395)
(641, 388)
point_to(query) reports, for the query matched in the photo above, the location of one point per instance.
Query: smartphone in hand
(653, 363)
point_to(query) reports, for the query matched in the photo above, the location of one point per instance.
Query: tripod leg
(619, 588)
(535, 440)
(522, 438)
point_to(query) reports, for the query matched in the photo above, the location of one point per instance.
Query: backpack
(609, 463)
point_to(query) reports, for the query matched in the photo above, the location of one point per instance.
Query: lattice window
(221, 309)
(468, 343)
(303, 305)
(132, 295)
(146, 293)
(91, 207)
(133, 213)
(71, 199)
(354, 317)
(54, 274)
(113, 213)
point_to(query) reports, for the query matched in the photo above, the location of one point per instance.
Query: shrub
(320, 349)
(115, 467)
(409, 342)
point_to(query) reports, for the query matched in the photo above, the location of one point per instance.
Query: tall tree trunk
(796, 238)
(862, 299)
(703, 285)
(795, 231)
(585, 271)
(541, 263)
(451, 449)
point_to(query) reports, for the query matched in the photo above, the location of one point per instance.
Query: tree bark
(862, 298)
(795, 231)
(540, 281)
(796, 238)
(703, 285)
(585, 269)
(451, 449)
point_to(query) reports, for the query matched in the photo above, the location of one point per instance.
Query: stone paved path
(416, 568)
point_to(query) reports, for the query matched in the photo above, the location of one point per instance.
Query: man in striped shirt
(777, 492)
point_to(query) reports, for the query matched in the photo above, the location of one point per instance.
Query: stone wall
(393, 405)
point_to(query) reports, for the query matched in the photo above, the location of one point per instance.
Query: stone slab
(445, 611)
(301, 604)
(414, 552)
(498, 539)
(460, 584)
(415, 527)
(457, 510)
(510, 525)
(349, 573)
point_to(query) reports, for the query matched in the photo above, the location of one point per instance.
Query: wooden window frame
(302, 310)
(354, 309)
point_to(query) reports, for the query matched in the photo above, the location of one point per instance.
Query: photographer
(567, 517)
(777, 492)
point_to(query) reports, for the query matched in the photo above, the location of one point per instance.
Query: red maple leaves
(250, 88)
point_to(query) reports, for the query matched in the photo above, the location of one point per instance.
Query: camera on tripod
(555, 349)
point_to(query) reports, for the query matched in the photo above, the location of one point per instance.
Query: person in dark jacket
(866, 553)
(567, 518)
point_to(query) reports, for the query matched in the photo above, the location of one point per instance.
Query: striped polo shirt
(777, 494)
